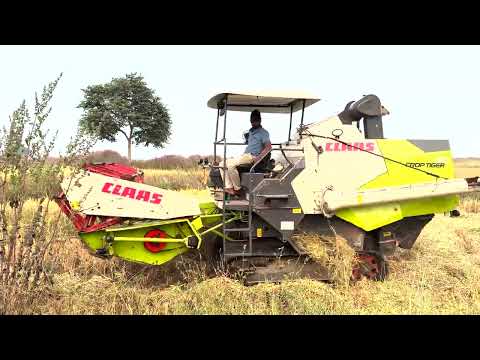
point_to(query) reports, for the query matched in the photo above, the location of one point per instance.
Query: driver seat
(263, 166)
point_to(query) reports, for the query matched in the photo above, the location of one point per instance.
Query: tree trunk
(129, 151)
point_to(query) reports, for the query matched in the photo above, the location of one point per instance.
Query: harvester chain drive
(268, 270)
(370, 266)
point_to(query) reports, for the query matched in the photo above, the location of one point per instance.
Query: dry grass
(470, 203)
(465, 172)
(333, 253)
(467, 162)
(440, 275)
(179, 179)
(468, 168)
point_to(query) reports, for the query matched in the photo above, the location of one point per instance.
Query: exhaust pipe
(371, 110)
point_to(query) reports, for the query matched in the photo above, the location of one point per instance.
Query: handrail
(259, 160)
(285, 156)
(220, 142)
(272, 149)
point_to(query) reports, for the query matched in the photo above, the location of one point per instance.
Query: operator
(258, 144)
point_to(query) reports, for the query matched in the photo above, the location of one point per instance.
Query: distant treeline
(163, 162)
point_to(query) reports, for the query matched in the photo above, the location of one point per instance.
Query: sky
(430, 91)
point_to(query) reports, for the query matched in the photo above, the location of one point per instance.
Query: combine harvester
(339, 176)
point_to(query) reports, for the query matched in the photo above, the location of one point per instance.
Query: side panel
(417, 154)
(96, 194)
(329, 163)
(437, 162)
(282, 214)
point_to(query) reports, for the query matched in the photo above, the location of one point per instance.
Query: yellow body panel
(372, 217)
(331, 166)
(405, 152)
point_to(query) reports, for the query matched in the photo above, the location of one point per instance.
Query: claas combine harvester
(339, 176)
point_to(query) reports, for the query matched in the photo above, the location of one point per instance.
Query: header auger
(336, 177)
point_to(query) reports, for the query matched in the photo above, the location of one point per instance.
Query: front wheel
(211, 250)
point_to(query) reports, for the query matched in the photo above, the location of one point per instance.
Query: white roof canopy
(266, 102)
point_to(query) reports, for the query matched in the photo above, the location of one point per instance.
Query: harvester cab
(336, 178)
(272, 103)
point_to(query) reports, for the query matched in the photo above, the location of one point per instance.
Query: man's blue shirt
(257, 139)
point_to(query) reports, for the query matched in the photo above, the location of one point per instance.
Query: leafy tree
(127, 106)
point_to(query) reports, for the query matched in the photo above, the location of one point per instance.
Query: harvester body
(331, 178)
(373, 182)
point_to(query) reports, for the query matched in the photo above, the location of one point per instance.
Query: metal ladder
(248, 229)
(251, 194)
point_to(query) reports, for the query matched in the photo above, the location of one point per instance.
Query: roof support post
(224, 170)
(225, 131)
(301, 121)
(290, 127)
(216, 138)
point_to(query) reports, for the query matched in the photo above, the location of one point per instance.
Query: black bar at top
(220, 142)
(259, 105)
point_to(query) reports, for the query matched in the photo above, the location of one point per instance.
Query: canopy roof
(267, 102)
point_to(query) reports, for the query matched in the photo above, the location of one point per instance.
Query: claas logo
(357, 146)
(132, 193)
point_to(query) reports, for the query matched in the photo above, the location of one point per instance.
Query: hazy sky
(431, 91)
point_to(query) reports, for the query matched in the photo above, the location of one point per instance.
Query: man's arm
(266, 149)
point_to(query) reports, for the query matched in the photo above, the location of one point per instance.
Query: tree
(127, 106)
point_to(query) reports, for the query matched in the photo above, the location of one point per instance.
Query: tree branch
(123, 132)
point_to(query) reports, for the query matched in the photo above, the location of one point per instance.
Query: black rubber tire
(455, 213)
(211, 249)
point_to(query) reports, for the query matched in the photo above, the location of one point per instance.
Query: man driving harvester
(258, 144)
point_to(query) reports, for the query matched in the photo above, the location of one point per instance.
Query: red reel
(155, 247)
